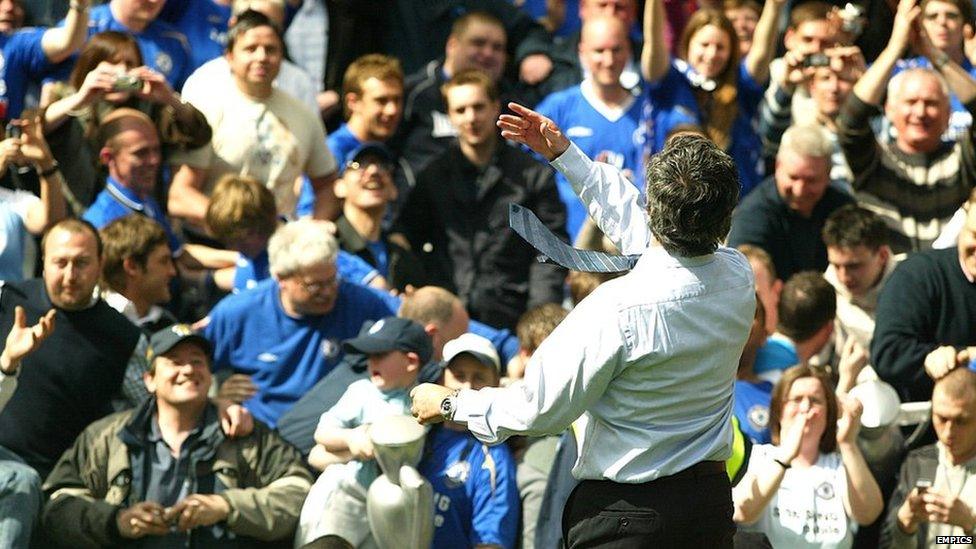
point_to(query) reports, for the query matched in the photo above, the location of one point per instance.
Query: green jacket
(261, 476)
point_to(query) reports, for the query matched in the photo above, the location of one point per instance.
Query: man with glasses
(367, 189)
(285, 333)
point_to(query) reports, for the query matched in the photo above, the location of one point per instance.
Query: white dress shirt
(649, 358)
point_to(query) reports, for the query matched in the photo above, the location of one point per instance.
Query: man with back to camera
(622, 358)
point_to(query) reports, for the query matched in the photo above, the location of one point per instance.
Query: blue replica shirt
(23, 64)
(204, 23)
(476, 499)
(341, 142)
(614, 137)
(163, 48)
(776, 355)
(285, 356)
(381, 255)
(751, 407)
(960, 120)
(116, 201)
(673, 99)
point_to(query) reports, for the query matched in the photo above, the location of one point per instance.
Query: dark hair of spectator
(809, 11)
(851, 226)
(130, 237)
(461, 24)
(692, 187)
(807, 303)
(964, 6)
(737, 4)
(240, 205)
(537, 323)
(828, 440)
(248, 20)
(582, 284)
(472, 77)
(374, 65)
(760, 256)
(722, 108)
(110, 46)
(73, 225)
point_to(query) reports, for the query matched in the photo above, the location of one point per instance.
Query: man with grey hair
(786, 213)
(285, 333)
(917, 182)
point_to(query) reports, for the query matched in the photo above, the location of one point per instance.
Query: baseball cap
(392, 334)
(374, 148)
(476, 346)
(164, 340)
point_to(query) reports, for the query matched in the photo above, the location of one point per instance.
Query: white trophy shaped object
(400, 503)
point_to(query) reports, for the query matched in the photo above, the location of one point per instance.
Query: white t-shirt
(808, 509)
(14, 206)
(274, 140)
(291, 79)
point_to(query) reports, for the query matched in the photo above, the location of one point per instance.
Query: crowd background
(319, 188)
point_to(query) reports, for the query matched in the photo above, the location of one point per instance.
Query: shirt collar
(125, 306)
(124, 195)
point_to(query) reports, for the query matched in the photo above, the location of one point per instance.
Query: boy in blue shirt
(476, 499)
(395, 348)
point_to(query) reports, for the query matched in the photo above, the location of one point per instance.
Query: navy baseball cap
(372, 148)
(392, 334)
(164, 340)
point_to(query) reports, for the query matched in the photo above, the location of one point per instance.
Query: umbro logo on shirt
(579, 131)
(268, 357)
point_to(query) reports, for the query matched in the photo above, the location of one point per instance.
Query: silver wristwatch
(449, 406)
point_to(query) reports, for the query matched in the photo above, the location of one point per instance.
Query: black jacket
(404, 267)
(456, 220)
(919, 464)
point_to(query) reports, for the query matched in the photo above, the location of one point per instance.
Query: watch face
(446, 406)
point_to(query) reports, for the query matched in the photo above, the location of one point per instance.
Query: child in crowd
(476, 500)
(533, 326)
(395, 348)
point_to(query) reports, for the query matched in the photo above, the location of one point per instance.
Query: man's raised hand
(533, 130)
(23, 339)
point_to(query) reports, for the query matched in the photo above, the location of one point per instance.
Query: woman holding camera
(110, 74)
(812, 486)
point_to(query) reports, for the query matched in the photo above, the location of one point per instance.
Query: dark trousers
(692, 508)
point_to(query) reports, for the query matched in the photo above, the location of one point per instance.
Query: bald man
(132, 154)
(600, 114)
(569, 70)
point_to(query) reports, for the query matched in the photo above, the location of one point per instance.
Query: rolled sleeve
(610, 198)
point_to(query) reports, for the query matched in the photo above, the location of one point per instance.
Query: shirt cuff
(472, 409)
(572, 163)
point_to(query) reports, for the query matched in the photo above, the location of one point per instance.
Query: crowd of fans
(236, 233)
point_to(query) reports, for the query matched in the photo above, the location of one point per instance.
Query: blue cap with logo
(392, 334)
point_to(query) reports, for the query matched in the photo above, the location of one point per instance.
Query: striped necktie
(555, 251)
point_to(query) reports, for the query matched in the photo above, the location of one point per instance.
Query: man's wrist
(8, 366)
